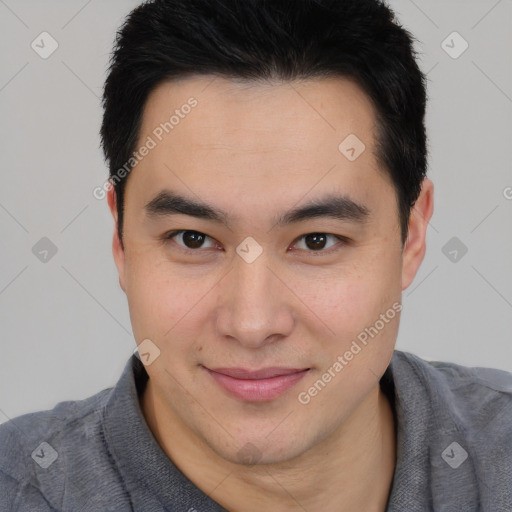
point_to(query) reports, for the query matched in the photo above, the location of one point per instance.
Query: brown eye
(193, 239)
(319, 242)
(189, 239)
(316, 241)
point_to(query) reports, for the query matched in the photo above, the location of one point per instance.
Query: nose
(254, 306)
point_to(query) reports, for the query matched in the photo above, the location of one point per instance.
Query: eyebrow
(339, 207)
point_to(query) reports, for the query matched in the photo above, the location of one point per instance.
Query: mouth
(256, 385)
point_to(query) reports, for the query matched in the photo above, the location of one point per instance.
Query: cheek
(155, 299)
(351, 299)
(166, 306)
(348, 296)
(363, 314)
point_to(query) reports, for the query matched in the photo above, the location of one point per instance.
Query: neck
(350, 470)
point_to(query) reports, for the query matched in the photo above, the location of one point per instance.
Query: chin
(253, 451)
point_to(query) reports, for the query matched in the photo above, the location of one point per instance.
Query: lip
(257, 385)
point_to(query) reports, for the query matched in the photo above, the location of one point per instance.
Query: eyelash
(344, 241)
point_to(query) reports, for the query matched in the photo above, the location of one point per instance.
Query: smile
(258, 385)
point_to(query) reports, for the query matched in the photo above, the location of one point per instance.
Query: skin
(255, 151)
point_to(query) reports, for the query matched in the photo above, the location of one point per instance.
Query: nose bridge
(251, 307)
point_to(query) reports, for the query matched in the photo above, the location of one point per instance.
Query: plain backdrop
(65, 327)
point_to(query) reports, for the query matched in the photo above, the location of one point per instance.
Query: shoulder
(36, 449)
(459, 378)
(454, 428)
(478, 399)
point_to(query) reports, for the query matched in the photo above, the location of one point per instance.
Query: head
(270, 199)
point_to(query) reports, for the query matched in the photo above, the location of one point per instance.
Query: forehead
(299, 111)
(258, 141)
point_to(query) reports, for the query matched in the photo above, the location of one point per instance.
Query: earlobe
(415, 245)
(117, 246)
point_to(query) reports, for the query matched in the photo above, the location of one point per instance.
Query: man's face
(253, 293)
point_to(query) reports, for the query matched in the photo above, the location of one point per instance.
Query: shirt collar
(427, 425)
(146, 470)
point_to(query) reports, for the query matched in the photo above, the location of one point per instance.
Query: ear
(117, 246)
(415, 245)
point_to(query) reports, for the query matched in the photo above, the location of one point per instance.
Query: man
(268, 162)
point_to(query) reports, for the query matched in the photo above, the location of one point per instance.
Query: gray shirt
(454, 447)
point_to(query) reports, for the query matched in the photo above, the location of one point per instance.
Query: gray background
(65, 328)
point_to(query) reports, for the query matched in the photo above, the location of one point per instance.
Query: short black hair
(286, 40)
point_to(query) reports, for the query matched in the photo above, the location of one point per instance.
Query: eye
(190, 239)
(318, 242)
(311, 242)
